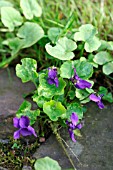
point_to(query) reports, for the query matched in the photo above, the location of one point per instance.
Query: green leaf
(30, 33)
(63, 49)
(48, 90)
(71, 94)
(104, 45)
(66, 69)
(4, 3)
(27, 71)
(83, 94)
(86, 32)
(92, 44)
(25, 110)
(90, 60)
(15, 44)
(54, 109)
(108, 68)
(74, 107)
(53, 33)
(110, 45)
(69, 169)
(102, 57)
(40, 100)
(30, 8)
(84, 69)
(46, 164)
(107, 96)
(10, 17)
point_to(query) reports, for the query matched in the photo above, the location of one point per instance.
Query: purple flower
(52, 76)
(24, 128)
(97, 99)
(80, 83)
(73, 125)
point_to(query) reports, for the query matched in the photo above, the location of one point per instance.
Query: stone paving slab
(11, 97)
(94, 149)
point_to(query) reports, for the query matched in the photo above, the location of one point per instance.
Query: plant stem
(54, 129)
(7, 61)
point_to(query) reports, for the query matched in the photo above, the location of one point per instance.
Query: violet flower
(52, 77)
(24, 128)
(73, 125)
(97, 99)
(80, 83)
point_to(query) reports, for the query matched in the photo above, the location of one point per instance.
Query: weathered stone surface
(11, 91)
(1, 168)
(93, 149)
(27, 168)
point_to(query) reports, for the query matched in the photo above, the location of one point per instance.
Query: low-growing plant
(74, 60)
(60, 95)
(47, 163)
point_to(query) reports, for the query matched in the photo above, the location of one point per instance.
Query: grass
(57, 13)
(68, 15)
(98, 13)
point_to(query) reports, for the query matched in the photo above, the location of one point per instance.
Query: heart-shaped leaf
(102, 57)
(63, 49)
(30, 33)
(47, 90)
(53, 33)
(87, 34)
(15, 44)
(54, 109)
(84, 69)
(92, 44)
(40, 100)
(66, 69)
(30, 8)
(27, 71)
(25, 110)
(108, 68)
(46, 164)
(74, 107)
(107, 96)
(4, 3)
(10, 17)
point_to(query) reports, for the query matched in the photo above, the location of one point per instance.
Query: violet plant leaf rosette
(80, 83)
(73, 125)
(97, 99)
(23, 123)
(52, 77)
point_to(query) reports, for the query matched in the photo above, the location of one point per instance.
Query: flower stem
(58, 137)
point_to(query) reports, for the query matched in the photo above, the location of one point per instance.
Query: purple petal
(72, 136)
(25, 132)
(52, 73)
(94, 98)
(24, 122)
(31, 129)
(100, 105)
(82, 84)
(72, 126)
(56, 82)
(67, 122)
(16, 122)
(50, 81)
(79, 126)
(76, 77)
(17, 134)
(74, 118)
